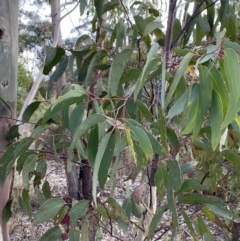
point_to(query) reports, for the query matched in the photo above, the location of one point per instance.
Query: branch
(170, 22)
(186, 26)
(69, 11)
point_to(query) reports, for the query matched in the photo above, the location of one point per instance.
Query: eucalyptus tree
(170, 97)
(8, 95)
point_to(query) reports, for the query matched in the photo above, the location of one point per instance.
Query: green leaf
(189, 225)
(203, 23)
(120, 34)
(180, 105)
(156, 219)
(40, 198)
(97, 163)
(192, 184)
(54, 56)
(180, 71)
(78, 211)
(162, 128)
(219, 85)
(54, 233)
(197, 198)
(70, 98)
(61, 68)
(92, 146)
(28, 167)
(130, 74)
(143, 140)
(42, 168)
(7, 212)
(232, 72)
(99, 4)
(216, 117)
(48, 210)
(106, 161)
(152, 26)
(223, 210)
(8, 158)
(204, 99)
(30, 110)
(188, 167)
(46, 190)
(83, 128)
(94, 61)
(144, 110)
(116, 70)
(232, 157)
(118, 209)
(148, 67)
(76, 117)
(140, 23)
(83, 4)
(26, 200)
(127, 206)
(201, 226)
(74, 235)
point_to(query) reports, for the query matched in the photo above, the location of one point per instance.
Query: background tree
(8, 95)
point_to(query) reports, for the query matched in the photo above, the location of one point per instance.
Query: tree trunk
(8, 88)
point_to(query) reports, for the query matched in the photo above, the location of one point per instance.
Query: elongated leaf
(192, 184)
(219, 85)
(152, 26)
(148, 67)
(26, 200)
(82, 129)
(7, 212)
(94, 61)
(155, 221)
(99, 9)
(79, 210)
(106, 161)
(222, 210)
(83, 4)
(232, 71)
(54, 56)
(144, 110)
(216, 116)
(116, 70)
(63, 102)
(189, 225)
(232, 157)
(48, 210)
(179, 106)
(197, 198)
(28, 167)
(97, 163)
(181, 70)
(54, 233)
(118, 209)
(205, 99)
(30, 110)
(92, 146)
(143, 140)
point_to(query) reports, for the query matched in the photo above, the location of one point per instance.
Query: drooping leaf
(106, 161)
(181, 69)
(30, 110)
(216, 116)
(48, 210)
(28, 167)
(54, 233)
(54, 56)
(156, 219)
(82, 129)
(148, 67)
(151, 27)
(63, 102)
(97, 163)
(7, 212)
(78, 211)
(197, 198)
(116, 70)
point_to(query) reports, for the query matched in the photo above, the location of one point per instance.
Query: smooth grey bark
(8, 89)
